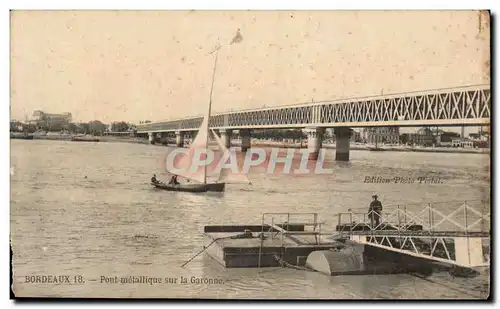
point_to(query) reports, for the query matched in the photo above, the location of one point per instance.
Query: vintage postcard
(250, 154)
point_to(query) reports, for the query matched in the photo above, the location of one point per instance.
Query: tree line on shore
(94, 127)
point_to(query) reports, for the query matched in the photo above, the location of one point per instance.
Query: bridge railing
(281, 225)
(465, 217)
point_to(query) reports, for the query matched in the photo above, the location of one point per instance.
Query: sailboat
(201, 141)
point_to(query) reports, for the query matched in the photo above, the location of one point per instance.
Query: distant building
(480, 139)
(447, 137)
(330, 137)
(423, 137)
(355, 136)
(381, 135)
(50, 122)
(462, 142)
(478, 136)
(131, 131)
(16, 126)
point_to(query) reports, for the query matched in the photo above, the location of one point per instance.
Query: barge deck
(262, 245)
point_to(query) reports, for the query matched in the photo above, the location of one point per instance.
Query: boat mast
(210, 106)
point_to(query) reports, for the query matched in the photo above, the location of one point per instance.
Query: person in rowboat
(173, 180)
(153, 179)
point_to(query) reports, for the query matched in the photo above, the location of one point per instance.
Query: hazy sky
(153, 65)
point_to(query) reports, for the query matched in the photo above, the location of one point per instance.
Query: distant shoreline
(136, 140)
(80, 138)
(387, 149)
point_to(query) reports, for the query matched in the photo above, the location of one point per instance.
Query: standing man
(375, 211)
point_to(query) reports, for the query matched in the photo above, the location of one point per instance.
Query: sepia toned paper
(341, 106)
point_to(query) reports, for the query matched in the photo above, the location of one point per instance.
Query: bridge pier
(151, 138)
(245, 139)
(342, 138)
(226, 137)
(314, 141)
(179, 138)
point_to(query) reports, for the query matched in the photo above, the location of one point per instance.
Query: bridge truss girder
(462, 107)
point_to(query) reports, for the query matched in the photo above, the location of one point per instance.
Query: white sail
(186, 161)
(201, 145)
(226, 175)
(198, 146)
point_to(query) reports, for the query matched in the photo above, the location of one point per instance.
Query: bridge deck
(427, 256)
(454, 106)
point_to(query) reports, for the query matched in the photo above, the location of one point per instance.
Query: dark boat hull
(76, 139)
(22, 137)
(197, 188)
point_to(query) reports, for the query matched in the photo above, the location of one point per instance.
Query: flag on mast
(237, 38)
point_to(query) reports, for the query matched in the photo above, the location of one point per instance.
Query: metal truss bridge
(460, 106)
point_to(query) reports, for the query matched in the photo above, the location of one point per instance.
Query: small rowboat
(203, 187)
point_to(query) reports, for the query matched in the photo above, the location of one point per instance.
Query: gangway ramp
(455, 234)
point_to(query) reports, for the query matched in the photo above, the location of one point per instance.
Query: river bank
(123, 139)
(371, 148)
(237, 143)
(78, 138)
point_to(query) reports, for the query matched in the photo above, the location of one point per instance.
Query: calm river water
(87, 209)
